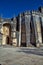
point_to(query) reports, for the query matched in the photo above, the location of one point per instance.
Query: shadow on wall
(32, 51)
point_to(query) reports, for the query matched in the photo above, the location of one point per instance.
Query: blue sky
(11, 8)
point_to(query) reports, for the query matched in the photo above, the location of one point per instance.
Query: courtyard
(10, 55)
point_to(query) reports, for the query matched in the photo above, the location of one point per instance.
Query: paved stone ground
(21, 56)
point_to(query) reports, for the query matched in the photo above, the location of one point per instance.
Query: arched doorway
(6, 33)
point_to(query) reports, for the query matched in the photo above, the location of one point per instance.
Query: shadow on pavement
(32, 51)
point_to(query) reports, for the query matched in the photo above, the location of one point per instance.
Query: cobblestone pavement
(21, 56)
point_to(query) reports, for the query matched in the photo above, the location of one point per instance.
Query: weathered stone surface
(21, 56)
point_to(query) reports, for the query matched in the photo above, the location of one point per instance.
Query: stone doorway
(6, 38)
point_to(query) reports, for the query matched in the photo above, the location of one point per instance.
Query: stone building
(24, 30)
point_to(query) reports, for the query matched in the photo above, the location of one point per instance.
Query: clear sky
(11, 8)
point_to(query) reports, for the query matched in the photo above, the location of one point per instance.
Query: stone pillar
(41, 20)
(20, 30)
(27, 23)
(14, 32)
(37, 28)
(3, 39)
